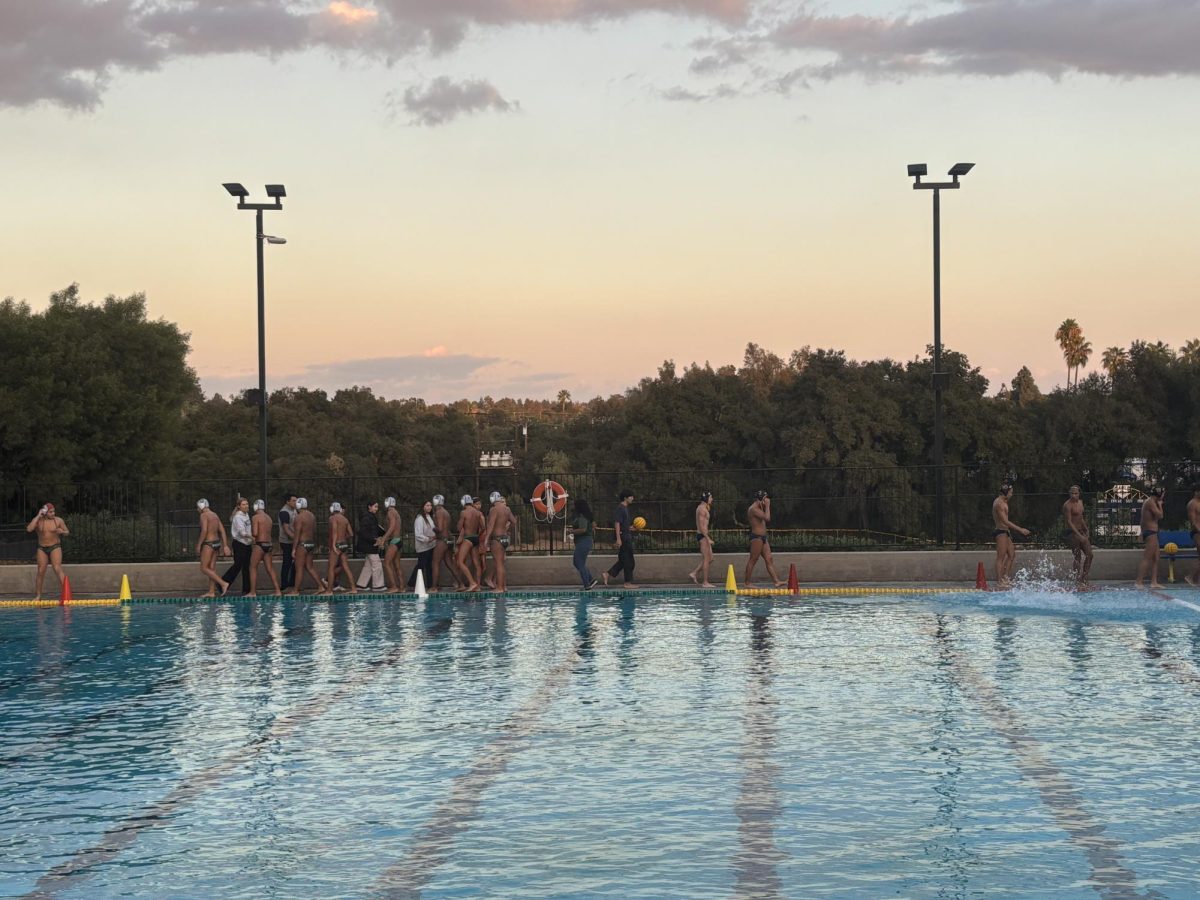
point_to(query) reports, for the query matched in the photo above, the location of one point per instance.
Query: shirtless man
(759, 515)
(213, 542)
(1077, 535)
(441, 525)
(261, 524)
(304, 526)
(703, 515)
(502, 527)
(51, 529)
(392, 538)
(1193, 514)
(470, 527)
(341, 535)
(1006, 552)
(1152, 513)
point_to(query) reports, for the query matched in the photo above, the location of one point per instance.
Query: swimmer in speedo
(442, 525)
(341, 534)
(703, 516)
(213, 541)
(304, 526)
(502, 528)
(759, 515)
(470, 526)
(261, 525)
(392, 538)
(51, 529)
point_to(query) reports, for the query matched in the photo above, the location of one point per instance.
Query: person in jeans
(584, 529)
(425, 538)
(287, 537)
(623, 528)
(368, 540)
(242, 539)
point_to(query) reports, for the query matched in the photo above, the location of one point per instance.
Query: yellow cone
(126, 594)
(730, 581)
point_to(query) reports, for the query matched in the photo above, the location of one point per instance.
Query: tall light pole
(277, 193)
(917, 171)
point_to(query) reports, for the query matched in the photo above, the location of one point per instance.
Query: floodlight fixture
(272, 239)
(959, 169)
(277, 190)
(236, 190)
(916, 170)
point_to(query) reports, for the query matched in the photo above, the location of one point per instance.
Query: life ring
(549, 498)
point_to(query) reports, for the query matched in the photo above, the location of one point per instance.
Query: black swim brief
(216, 545)
(759, 537)
(264, 547)
(473, 538)
(310, 546)
(50, 549)
(1001, 531)
(342, 547)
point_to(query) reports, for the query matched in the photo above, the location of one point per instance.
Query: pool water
(1035, 742)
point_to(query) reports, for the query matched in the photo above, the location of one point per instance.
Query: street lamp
(276, 192)
(917, 171)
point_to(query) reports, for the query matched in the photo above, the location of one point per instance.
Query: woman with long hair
(584, 530)
(241, 540)
(425, 539)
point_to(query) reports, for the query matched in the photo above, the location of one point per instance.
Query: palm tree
(1081, 352)
(1114, 360)
(1068, 335)
(564, 397)
(1190, 352)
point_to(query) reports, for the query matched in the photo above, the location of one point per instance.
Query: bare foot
(1139, 585)
(324, 594)
(1189, 580)
(692, 575)
(708, 584)
(225, 590)
(209, 596)
(1155, 584)
(631, 586)
(604, 575)
(780, 584)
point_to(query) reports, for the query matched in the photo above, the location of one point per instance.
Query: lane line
(1161, 595)
(758, 806)
(70, 873)
(433, 841)
(1110, 877)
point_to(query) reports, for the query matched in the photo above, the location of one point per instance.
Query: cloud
(436, 377)
(1123, 38)
(443, 100)
(65, 52)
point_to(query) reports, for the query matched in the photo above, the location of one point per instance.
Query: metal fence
(863, 508)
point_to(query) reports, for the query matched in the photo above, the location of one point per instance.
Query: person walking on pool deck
(1077, 535)
(287, 539)
(1006, 552)
(470, 527)
(243, 538)
(213, 542)
(260, 527)
(1193, 514)
(584, 530)
(443, 553)
(51, 529)
(703, 515)
(1152, 513)
(368, 542)
(502, 527)
(759, 515)
(425, 540)
(340, 536)
(304, 525)
(393, 535)
(623, 535)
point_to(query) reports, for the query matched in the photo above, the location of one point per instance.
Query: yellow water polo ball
(639, 523)
(1171, 549)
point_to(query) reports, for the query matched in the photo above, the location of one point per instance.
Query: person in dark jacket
(367, 542)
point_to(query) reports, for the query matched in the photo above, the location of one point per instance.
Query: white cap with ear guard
(439, 500)
(495, 497)
(389, 502)
(466, 500)
(259, 504)
(301, 503)
(202, 504)
(335, 507)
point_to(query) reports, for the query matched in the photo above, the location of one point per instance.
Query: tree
(1068, 336)
(1190, 352)
(564, 397)
(1114, 360)
(1081, 352)
(1024, 389)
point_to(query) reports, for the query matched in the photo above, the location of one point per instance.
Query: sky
(515, 197)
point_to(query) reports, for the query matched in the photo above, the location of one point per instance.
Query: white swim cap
(495, 496)
(439, 500)
(259, 504)
(389, 502)
(335, 507)
(201, 504)
(466, 500)
(301, 503)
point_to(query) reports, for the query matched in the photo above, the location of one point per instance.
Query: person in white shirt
(425, 538)
(241, 540)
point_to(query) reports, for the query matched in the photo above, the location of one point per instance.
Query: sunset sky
(511, 197)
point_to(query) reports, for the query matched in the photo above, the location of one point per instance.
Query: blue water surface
(1038, 742)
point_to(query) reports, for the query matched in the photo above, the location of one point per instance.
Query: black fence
(864, 508)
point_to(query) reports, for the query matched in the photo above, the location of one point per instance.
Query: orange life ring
(547, 496)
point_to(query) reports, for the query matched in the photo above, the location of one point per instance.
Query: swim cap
(1006, 488)
(495, 497)
(439, 500)
(1156, 492)
(49, 509)
(259, 504)
(760, 495)
(301, 503)
(335, 507)
(389, 502)
(466, 500)
(202, 504)
(705, 496)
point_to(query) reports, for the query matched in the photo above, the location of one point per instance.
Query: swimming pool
(968, 745)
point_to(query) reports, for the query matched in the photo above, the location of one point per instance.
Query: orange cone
(981, 579)
(65, 597)
(793, 580)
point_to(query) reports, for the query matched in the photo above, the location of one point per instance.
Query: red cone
(981, 579)
(793, 580)
(65, 597)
